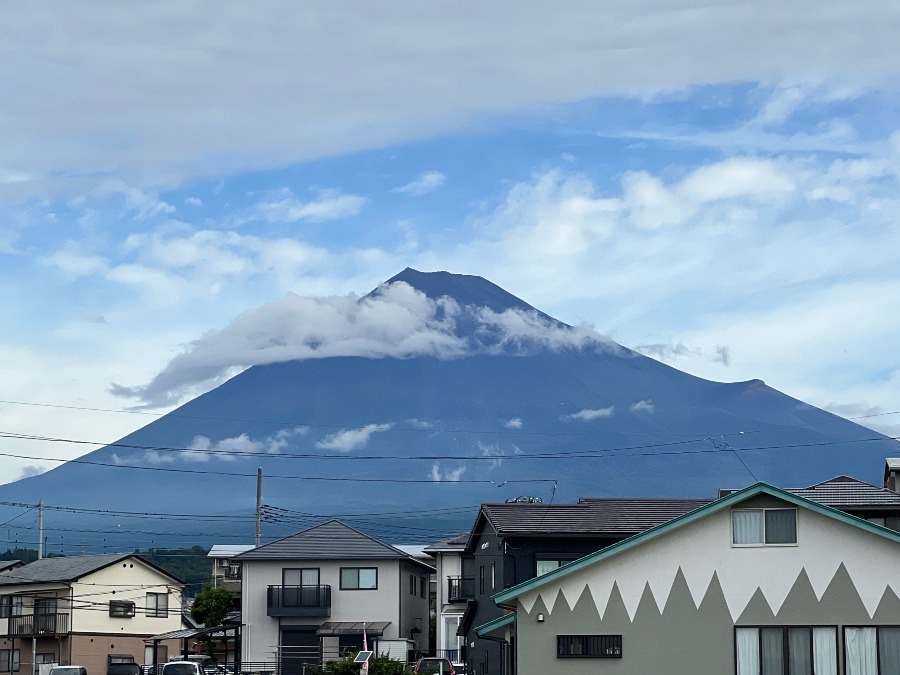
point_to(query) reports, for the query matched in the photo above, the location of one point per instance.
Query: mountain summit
(408, 447)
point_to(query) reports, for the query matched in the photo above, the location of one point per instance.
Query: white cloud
(590, 414)
(426, 182)
(202, 449)
(398, 322)
(514, 423)
(329, 205)
(194, 201)
(642, 406)
(439, 475)
(79, 113)
(346, 440)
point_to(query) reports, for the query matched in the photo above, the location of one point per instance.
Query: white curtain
(747, 651)
(748, 527)
(862, 653)
(825, 651)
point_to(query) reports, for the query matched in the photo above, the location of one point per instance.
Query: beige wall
(129, 580)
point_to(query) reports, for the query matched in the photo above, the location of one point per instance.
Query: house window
(423, 584)
(162, 654)
(412, 584)
(300, 576)
(764, 527)
(359, 578)
(158, 604)
(481, 580)
(493, 576)
(45, 657)
(121, 608)
(872, 650)
(9, 660)
(589, 646)
(545, 565)
(784, 650)
(10, 605)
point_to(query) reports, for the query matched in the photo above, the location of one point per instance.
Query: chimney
(892, 474)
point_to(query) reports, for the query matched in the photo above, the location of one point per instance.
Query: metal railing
(298, 601)
(38, 624)
(460, 589)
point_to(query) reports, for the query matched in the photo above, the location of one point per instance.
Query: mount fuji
(497, 401)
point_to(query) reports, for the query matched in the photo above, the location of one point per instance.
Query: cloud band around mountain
(397, 322)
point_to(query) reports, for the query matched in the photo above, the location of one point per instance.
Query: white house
(760, 581)
(312, 596)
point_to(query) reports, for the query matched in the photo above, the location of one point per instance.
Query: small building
(226, 571)
(316, 595)
(87, 610)
(759, 581)
(452, 594)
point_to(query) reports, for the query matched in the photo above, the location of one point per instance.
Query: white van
(68, 670)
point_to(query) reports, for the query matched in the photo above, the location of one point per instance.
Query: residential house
(226, 571)
(86, 610)
(452, 592)
(318, 594)
(759, 581)
(513, 542)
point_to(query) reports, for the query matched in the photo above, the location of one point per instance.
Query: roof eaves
(687, 518)
(491, 626)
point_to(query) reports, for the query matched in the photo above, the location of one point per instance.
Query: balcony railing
(460, 589)
(233, 573)
(39, 624)
(299, 601)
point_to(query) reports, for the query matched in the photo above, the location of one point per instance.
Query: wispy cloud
(347, 440)
(590, 414)
(203, 449)
(514, 423)
(426, 182)
(439, 475)
(645, 406)
(329, 205)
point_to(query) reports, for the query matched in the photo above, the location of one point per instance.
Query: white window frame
(763, 543)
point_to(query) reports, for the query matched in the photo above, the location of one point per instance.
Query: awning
(352, 627)
(188, 633)
(491, 627)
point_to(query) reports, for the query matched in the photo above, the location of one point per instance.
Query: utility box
(399, 650)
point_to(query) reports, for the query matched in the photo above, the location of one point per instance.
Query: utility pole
(258, 506)
(40, 529)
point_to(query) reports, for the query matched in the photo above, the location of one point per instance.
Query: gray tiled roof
(587, 517)
(845, 492)
(60, 570)
(332, 540)
(455, 543)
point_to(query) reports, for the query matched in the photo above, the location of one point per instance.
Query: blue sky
(714, 185)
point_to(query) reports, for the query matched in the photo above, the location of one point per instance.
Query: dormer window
(764, 527)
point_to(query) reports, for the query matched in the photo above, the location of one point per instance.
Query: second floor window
(764, 527)
(359, 578)
(121, 608)
(412, 584)
(157, 604)
(10, 605)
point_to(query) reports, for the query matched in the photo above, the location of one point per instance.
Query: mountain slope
(557, 423)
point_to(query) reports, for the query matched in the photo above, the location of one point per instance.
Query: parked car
(123, 669)
(68, 670)
(431, 664)
(183, 668)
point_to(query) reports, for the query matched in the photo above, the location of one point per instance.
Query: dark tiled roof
(332, 540)
(60, 570)
(455, 543)
(845, 492)
(587, 517)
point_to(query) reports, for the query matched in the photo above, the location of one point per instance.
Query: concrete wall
(676, 600)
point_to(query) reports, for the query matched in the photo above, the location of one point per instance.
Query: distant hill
(595, 417)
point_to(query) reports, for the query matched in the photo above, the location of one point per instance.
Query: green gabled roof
(686, 519)
(491, 626)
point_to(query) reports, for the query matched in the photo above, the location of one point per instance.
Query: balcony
(32, 625)
(299, 601)
(460, 589)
